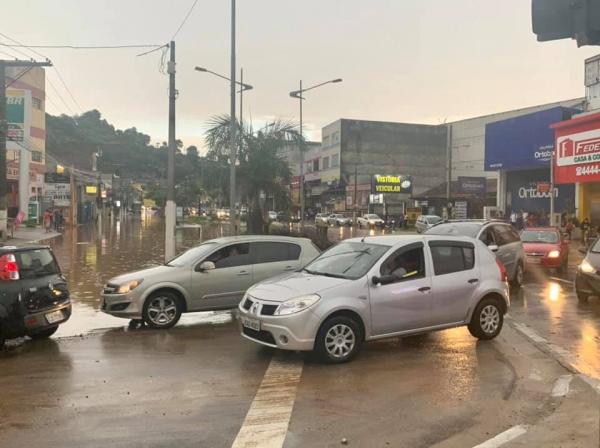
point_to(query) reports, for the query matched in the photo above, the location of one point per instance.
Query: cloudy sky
(418, 61)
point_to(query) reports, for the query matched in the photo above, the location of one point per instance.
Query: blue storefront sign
(523, 142)
(472, 185)
(523, 193)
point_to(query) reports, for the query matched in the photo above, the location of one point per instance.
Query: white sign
(58, 194)
(574, 149)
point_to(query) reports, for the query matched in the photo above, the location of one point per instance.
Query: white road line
(267, 420)
(504, 437)
(561, 386)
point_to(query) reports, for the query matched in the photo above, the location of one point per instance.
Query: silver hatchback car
(378, 287)
(211, 276)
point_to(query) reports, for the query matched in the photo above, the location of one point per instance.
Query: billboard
(58, 194)
(391, 184)
(522, 142)
(472, 185)
(18, 105)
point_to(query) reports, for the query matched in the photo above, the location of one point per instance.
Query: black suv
(34, 298)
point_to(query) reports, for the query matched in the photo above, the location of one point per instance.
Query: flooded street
(90, 258)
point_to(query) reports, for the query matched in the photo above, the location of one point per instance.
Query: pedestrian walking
(56, 219)
(48, 220)
(585, 228)
(513, 219)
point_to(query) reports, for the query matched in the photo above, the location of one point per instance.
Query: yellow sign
(91, 189)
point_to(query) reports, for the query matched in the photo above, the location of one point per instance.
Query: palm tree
(261, 167)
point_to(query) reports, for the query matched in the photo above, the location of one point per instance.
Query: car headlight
(586, 267)
(129, 286)
(554, 254)
(297, 304)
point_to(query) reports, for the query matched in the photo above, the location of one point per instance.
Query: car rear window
(36, 263)
(456, 228)
(270, 252)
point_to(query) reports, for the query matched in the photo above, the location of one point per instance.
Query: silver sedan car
(376, 287)
(212, 276)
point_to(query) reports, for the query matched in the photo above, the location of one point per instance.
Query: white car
(369, 221)
(339, 220)
(322, 218)
(425, 222)
(369, 288)
(272, 215)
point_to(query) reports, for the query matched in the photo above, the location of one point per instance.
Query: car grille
(535, 254)
(262, 335)
(265, 310)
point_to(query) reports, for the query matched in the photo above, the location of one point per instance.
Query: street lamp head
(296, 94)
(337, 80)
(247, 87)
(201, 69)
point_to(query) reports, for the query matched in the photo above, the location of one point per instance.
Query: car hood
(142, 274)
(282, 288)
(540, 248)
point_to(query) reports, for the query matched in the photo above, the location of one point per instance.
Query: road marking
(558, 279)
(268, 418)
(504, 437)
(561, 386)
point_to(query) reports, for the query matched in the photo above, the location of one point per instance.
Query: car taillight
(503, 273)
(9, 270)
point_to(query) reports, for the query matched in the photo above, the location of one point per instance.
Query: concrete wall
(468, 139)
(393, 148)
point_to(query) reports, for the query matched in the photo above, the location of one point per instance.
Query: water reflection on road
(89, 258)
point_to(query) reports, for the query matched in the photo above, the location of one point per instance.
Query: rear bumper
(37, 321)
(544, 262)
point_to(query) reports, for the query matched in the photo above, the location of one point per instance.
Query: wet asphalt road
(194, 384)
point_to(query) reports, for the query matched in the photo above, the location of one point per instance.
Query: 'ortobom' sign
(391, 184)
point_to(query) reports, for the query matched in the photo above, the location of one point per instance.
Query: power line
(59, 96)
(185, 19)
(83, 47)
(68, 90)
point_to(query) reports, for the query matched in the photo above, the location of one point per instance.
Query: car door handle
(473, 280)
(243, 273)
(424, 289)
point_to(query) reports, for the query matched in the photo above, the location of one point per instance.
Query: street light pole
(232, 127)
(298, 94)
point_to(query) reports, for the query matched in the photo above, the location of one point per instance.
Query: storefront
(578, 162)
(520, 149)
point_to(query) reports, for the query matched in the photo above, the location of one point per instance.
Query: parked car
(425, 222)
(283, 217)
(272, 215)
(211, 276)
(321, 218)
(369, 221)
(338, 220)
(376, 287)
(497, 235)
(546, 247)
(587, 280)
(34, 295)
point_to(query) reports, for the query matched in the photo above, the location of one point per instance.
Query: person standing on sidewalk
(585, 227)
(47, 220)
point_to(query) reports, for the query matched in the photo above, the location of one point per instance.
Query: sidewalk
(29, 235)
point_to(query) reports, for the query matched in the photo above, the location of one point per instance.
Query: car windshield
(539, 236)
(188, 257)
(349, 260)
(371, 216)
(456, 228)
(433, 219)
(36, 263)
(596, 247)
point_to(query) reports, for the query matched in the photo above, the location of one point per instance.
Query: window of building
(335, 160)
(316, 165)
(325, 142)
(325, 162)
(36, 103)
(335, 138)
(449, 258)
(36, 156)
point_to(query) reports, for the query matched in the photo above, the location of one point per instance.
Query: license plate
(534, 260)
(253, 324)
(54, 317)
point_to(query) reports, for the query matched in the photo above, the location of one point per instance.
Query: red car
(545, 246)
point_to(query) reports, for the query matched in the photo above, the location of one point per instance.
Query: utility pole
(241, 96)
(232, 128)
(170, 209)
(301, 162)
(552, 189)
(4, 134)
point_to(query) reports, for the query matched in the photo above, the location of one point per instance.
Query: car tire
(338, 340)
(2, 339)
(517, 280)
(162, 310)
(582, 297)
(487, 319)
(44, 334)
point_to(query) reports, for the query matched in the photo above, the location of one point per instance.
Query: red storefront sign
(577, 150)
(543, 187)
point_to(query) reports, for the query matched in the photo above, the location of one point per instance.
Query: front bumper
(544, 262)
(128, 305)
(292, 332)
(587, 283)
(37, 321)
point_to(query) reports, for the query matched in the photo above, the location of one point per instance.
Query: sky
(425, 61)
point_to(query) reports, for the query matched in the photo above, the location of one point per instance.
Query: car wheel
(2, 339)
(162, 310)
(582, 297)
(517, 280)
(44, 334)
(487, 319)
(338, 340)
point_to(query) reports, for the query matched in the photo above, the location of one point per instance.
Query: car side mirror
(493, 247)
(383, 279)
(582, 250)
(206, 266)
